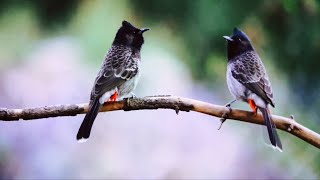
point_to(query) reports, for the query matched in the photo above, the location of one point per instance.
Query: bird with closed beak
(118, 75)
(248, 81)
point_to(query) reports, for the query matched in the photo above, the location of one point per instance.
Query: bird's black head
(128, 35)
(238, 43)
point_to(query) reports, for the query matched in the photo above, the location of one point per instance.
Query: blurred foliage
(291, 28)
(49, 13)
(284, 31)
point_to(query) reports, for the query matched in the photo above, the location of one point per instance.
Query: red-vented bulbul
(118, 75)
(248, 81)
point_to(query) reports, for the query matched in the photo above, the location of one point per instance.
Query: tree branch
(163, 102)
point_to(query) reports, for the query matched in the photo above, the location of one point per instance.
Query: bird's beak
(227, 38)
(143, 30)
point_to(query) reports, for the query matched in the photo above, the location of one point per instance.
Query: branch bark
(164, 102)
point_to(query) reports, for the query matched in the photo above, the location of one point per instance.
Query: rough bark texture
(40, 112)
(163, 102)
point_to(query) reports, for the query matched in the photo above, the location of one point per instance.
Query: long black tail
(85, 128)
(273, 135)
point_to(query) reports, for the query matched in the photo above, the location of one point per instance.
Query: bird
(248, 81)
(118, 75)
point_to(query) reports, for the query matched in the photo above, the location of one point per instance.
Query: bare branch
(163, 102)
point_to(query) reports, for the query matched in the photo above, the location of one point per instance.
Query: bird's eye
(239, 39)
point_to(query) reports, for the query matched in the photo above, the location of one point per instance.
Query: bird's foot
(255, 112)
(225, 115)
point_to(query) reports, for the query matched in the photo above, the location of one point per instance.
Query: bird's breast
(237, 89)
(128, 87)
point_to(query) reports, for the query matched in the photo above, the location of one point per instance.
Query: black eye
(240, 40)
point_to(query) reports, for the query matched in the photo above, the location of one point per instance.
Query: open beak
(143, 30)
(227, 38)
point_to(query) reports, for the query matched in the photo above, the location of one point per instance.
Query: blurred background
(51, 51)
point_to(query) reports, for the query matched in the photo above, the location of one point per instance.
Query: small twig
(291, 125)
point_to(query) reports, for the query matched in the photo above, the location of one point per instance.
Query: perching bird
(248, 81)
(118, 75)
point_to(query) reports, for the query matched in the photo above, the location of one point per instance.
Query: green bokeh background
(50, 52)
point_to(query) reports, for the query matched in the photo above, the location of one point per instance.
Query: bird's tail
(271, 127)
(85, 128)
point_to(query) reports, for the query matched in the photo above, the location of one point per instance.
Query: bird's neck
(234, 52)
(132, 48)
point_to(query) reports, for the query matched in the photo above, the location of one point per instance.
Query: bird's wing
(249, 71)
(119, 66)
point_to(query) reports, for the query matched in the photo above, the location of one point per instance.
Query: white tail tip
(273, 147)
(82, 140)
